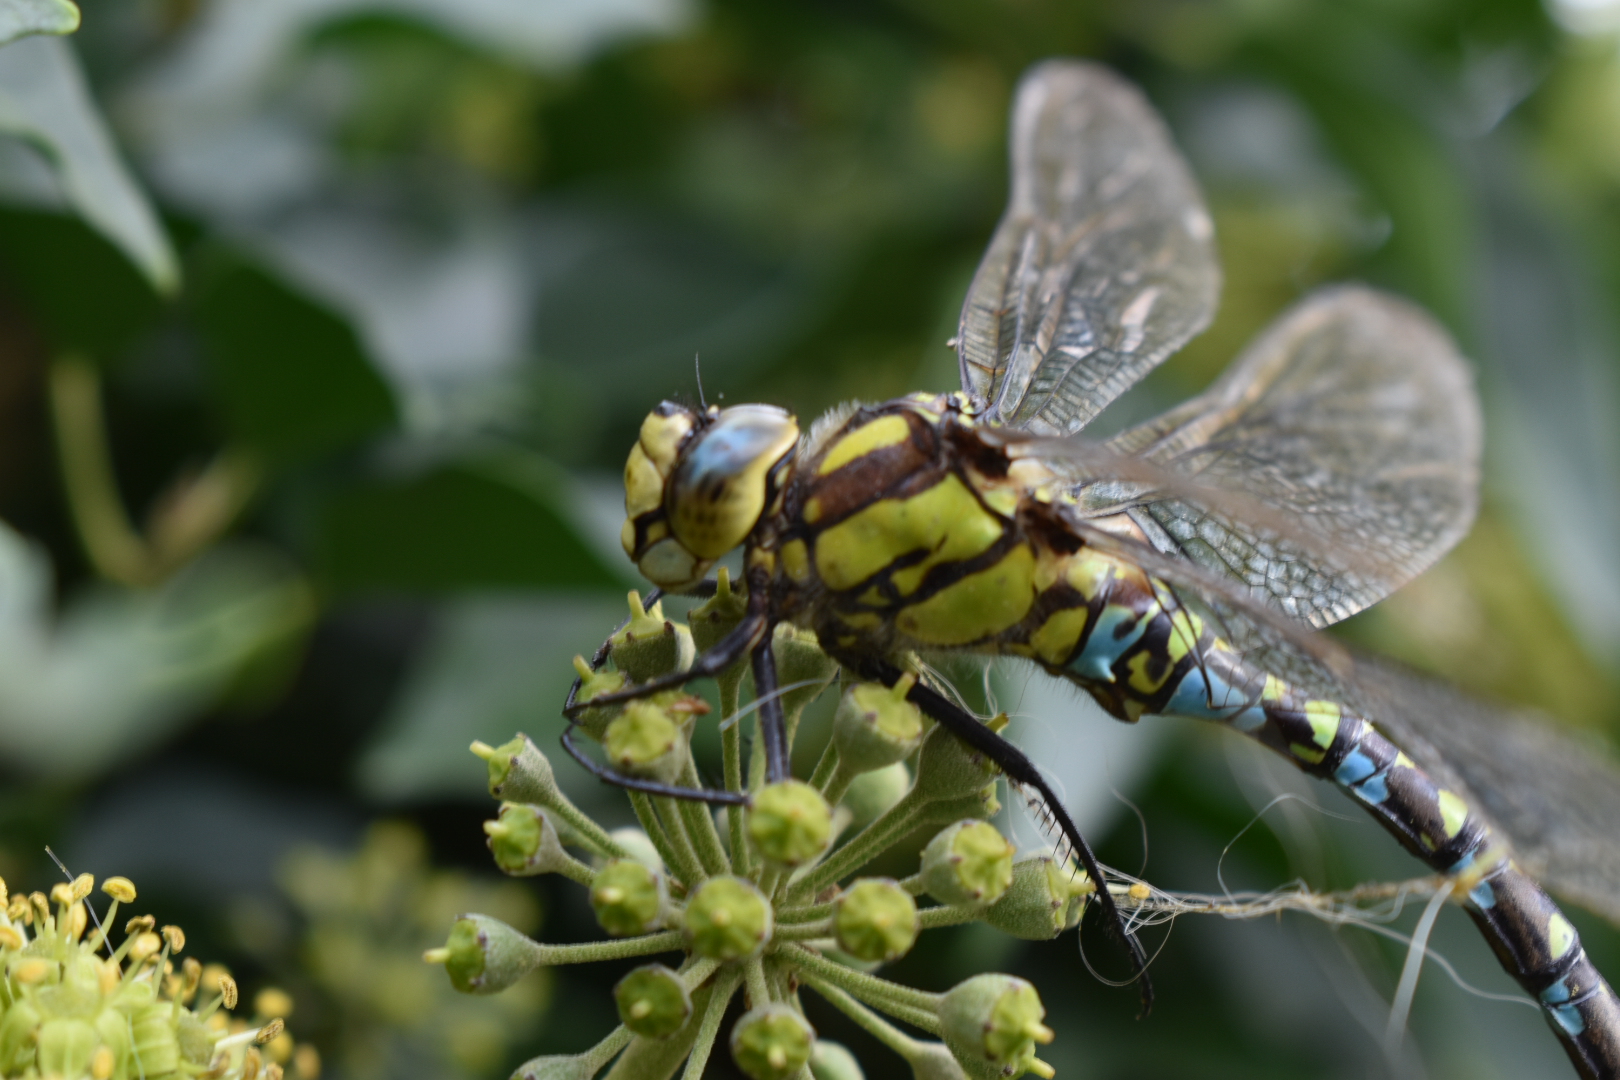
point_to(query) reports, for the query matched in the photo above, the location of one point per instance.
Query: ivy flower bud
(1044, 900)
(875, 920)
(833, 1061)
(650, 645)
(772, 1042)
(995, 1020)
(870, 794)
(484, 955)
(727, 918)
(645, 741)
(799, 659)
(719, 614)
(968, 863)
(525, 843)
(628, 898)
(66, 1047)
(947, 768)
(592, 685)
(638, 846)
(876, 726)
(789, 823)
(934, 1061)
(653, 1001)
(519, 772)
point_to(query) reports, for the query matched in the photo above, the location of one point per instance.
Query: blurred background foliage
(325, 326)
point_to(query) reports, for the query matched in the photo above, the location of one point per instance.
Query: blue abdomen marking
(1106, 644)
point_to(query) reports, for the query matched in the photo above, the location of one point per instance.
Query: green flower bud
(948, 769)
(65, 1047)
(876, 726)
(638, 846)
(995, 1021)
(727, 918)
(628, 898)
(875, 920)
(653, 1001)
(17, 1034)
(799, 659)
(772, 1042)
(155, 1045)
(982, 805)
(1044, 900)
(789, 823)
(968, 863)
(934, 1061)
(870, 794)
(646, 741)
(650, 645)
(592, 685)
(484, 955)
(519, 772)
(524, 842)
(833, 1061)
(719, 614)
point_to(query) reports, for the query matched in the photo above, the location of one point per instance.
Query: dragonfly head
(696, 484)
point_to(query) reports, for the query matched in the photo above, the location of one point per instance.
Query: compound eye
(718, 491)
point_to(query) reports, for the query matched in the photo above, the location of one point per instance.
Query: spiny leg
(772, 723)
(1020, 770)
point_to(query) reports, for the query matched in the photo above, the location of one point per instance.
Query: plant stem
(879, 993)
(641, 802)
(594, 836)
(758, 991)
(657, 1059)
(881, 1029)
(709, 1028)
(602, 1053)
(669, 813)
(865, 845)
(949, 915)
(803, 931)
(592, 951)
(699, 824)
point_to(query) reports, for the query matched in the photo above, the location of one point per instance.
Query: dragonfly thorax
(696, 484)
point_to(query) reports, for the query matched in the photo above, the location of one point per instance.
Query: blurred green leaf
(82, 292)
(496, 522)
(19, 18)
(44, 101)
(122, 668)
(292, 375)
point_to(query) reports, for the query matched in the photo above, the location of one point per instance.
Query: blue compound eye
(719, 488)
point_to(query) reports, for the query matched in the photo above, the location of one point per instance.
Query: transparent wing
(1553, 796)
(1103, 264)
(1352, 416)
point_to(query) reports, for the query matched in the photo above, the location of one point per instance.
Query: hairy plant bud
(968, 863)
(870, 794)
(650, 645)
(934, 1061)
(995, 1021)
(982, 805)
(772, 1042)
(789, 823)
(592, 685)
(485, 956)
(799, 659)
(876, 726)
(653, 1001)
(1044, 899)
(524, 842)
(727, 918)
(948, 769)
(875, 920)
(646, 741)
(719, 615)
(833, 1061)
(638, 846)
(519, 772)
(628, 898)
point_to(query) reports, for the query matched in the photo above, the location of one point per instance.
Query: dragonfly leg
(1019, 769)
(651, 787)
(772, 723)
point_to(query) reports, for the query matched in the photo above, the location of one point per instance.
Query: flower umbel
(73, 1004)
(768, 904)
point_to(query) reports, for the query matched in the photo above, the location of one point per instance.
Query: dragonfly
(1182, 567)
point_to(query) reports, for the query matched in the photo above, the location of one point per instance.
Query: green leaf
(498, 522)
(45, 102)
(122, 668)
(19, 18)
(292, 375)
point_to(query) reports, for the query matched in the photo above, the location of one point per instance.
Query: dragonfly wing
(1553, 797)
(1103, 264)
(1352, 416)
